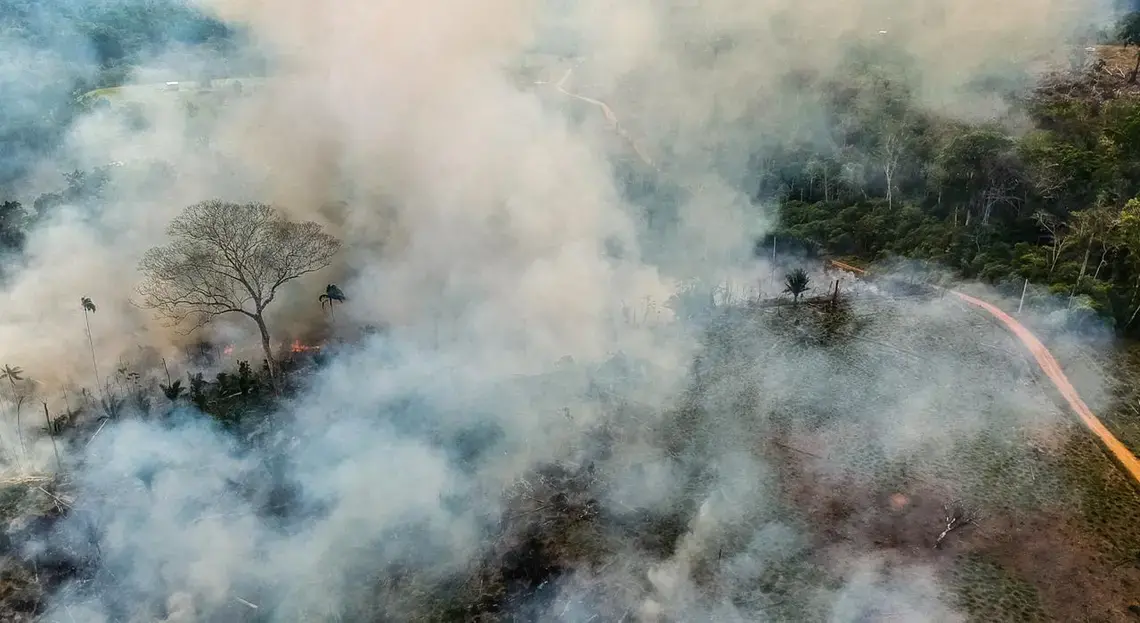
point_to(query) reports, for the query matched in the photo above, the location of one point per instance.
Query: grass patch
(986, 592)
(1108, 505)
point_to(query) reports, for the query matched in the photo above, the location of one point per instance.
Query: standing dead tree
(89, 308)
(890, 157)
(227, 258)
(1058, 235)
(956, 517)
(13, 374)
(51, 430)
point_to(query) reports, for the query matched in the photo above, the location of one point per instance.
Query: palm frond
(172, 391)
(11, 373)
(796, 282)
(332, 294)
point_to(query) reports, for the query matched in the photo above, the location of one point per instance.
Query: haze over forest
(568, 311)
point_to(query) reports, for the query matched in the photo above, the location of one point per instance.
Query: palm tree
(332, 294)
(796, 283)
(13, 374)
(89, 307)
(172, 391)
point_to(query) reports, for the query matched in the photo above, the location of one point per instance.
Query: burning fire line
(296, 347)
(299, 347)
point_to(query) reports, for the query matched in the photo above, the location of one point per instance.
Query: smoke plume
(537, 314)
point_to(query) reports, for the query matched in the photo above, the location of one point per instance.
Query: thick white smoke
(491, 231)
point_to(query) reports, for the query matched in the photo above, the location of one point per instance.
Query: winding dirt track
(1124, 457)
(1052, 369)
(608, 113)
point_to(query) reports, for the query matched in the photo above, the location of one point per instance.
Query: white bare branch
(227, 258)
(956, 517)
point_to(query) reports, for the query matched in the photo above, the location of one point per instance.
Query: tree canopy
(228, 258)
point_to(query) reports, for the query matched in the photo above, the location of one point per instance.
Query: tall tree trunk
(51, 433)
(91, 344)
(1081, 275)
(1056, 255)
(19, 426)
(266, 346)
(1101, 264)
(1132, 318)
(1136, 309)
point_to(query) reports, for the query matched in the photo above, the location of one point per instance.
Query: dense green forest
(57, 49)
(111, 36)
(1054, 201)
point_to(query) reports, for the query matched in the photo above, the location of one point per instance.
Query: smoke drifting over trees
(231, 259)
(528, 347)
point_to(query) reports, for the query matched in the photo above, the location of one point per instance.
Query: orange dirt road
(1052, 369)
(1045, 359)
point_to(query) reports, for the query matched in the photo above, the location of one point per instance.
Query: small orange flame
(298, 347)
(228, 350)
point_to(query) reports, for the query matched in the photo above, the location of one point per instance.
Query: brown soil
(1118, 59)
(1074, 578)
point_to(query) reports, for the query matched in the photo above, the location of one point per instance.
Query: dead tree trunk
(956, 518)
(267, 347)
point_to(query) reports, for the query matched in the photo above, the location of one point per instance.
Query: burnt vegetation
(1057, 206)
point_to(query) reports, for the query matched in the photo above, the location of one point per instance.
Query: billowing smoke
(539, 317)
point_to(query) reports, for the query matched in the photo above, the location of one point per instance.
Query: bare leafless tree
(1089, 226)
(1001, 191)
(227, 258)
(890, 156)
(956, 517)
(1058, 235)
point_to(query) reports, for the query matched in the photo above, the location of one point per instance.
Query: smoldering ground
(492, 234)
(564, 496)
